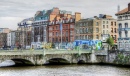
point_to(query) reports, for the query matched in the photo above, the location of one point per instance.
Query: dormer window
(120, 18)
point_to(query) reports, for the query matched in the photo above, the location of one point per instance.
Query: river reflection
(65, 70)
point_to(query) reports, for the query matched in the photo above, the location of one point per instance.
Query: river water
(65, 70)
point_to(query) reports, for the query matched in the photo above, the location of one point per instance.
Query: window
(126, 25)
(115, 30)
(120, 34)
(56, 27)
(97, 37)
(107, 26)
(84, 24)
(107, 32)
(112, 36)
(103, 22)
(87, 24)
(120, 25)
(97, 24)
(66, 27)
(50, 34)
(112, 23)
(115, 23)
(103, 31)
(112, 30)
(71, 32)
(97, 30)
(86, 37)
(115, 37)
(86, 29)
(107, 22)
(120, 17)
(103, 26)
(126, 33)
(83, 30)
(126, 17)
(52, 39)
(71, 26)
(56, 34)
(80, 24)
(66, 39)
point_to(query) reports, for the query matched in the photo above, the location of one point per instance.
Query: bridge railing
(50, 51)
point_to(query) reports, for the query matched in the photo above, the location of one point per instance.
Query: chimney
(129, 7)
(77, 16)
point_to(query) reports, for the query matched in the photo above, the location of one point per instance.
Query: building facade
(61, 30)
(11, 39)
(84, 29)
(3, 40)
(4, 30)
(24, 33)
(96, 28)
(123, 17)
(46, 27)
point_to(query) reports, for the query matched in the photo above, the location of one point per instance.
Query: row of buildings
(46, 26)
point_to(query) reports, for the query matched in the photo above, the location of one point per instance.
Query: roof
(122, 11)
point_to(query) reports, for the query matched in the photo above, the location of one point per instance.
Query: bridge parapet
(100, 52)
(21, 52)
(66, 51)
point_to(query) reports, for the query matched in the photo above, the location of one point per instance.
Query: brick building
(54, 32)
(46, 25)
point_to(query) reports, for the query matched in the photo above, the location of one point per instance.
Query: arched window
(126, 33)
(126, 25)
(120, 25)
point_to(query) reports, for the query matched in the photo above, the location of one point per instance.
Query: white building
(25, 27)
(123, 17)
(11, 39)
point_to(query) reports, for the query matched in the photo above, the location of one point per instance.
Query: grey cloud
(27, 8)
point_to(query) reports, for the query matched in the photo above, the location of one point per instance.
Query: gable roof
(122, 11)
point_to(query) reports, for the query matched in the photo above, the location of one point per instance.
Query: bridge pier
(93, 57)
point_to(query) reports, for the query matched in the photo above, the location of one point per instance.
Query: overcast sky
(13, 11)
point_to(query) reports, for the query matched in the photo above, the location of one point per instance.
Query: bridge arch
(58, 61)
(58, 58)
(83, 58)
(20, 61)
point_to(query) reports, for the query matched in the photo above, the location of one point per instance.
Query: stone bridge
(39, 57)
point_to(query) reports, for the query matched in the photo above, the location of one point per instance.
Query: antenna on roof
(118, 8)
